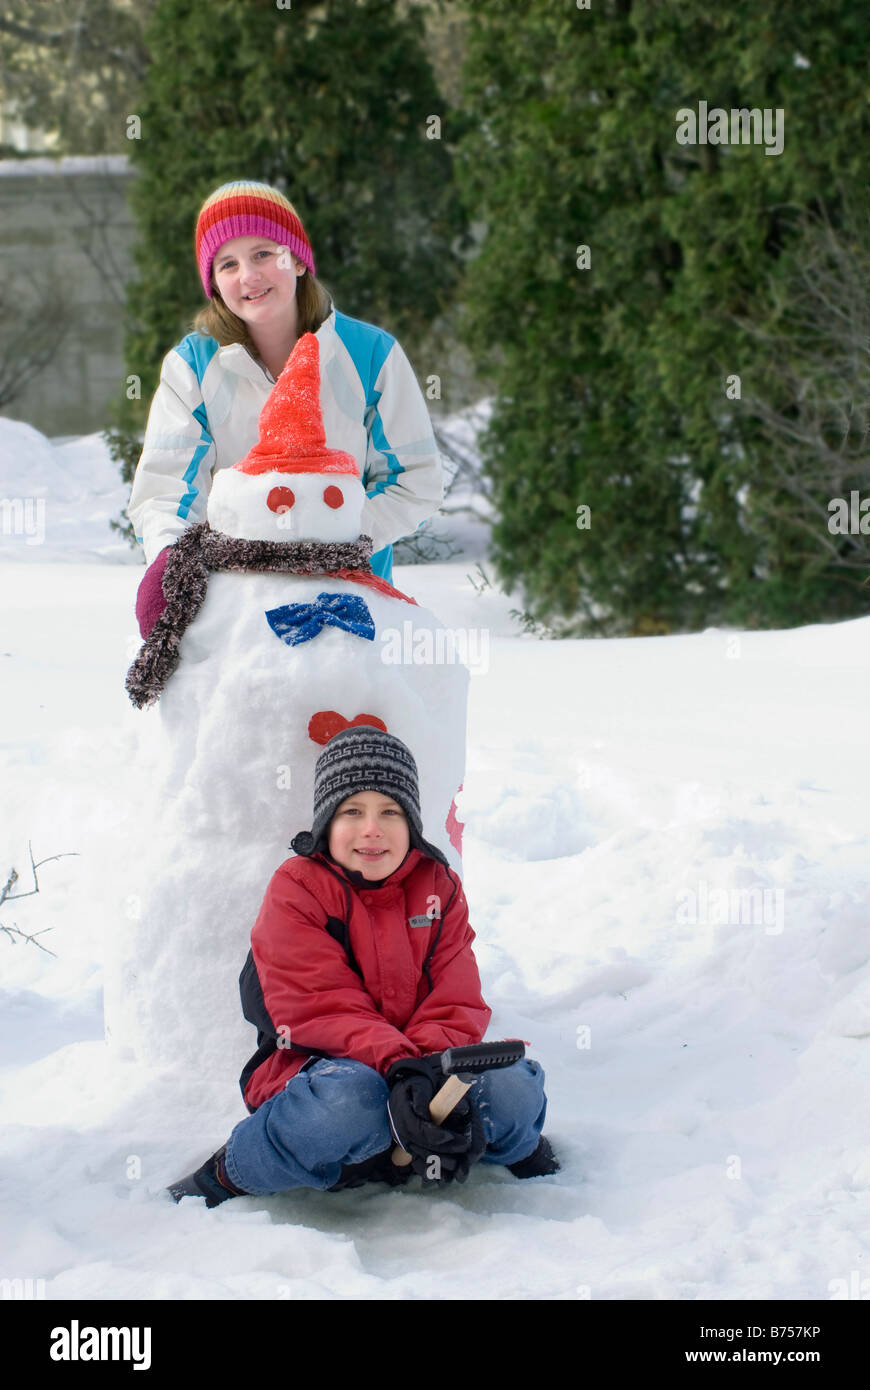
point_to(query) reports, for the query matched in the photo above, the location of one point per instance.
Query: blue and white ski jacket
(205, 413)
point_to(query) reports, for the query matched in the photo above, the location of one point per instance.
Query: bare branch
(12, 932)
(49, 321)
(43, 38)
(6, 896)
(95, 232)
(13, 878)
(34, 865)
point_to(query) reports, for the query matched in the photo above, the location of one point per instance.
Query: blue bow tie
(299, 622)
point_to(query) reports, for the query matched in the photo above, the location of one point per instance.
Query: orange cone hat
(292, 437)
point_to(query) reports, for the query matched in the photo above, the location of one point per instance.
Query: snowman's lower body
(238, 730)
(172, 996)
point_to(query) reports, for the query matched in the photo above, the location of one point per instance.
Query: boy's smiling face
(369, 833)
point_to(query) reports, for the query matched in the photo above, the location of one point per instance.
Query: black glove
(456, 1144)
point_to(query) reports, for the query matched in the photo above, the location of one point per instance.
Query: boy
(360, 973)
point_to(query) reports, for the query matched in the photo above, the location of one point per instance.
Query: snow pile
(57, 499)
(665, 861)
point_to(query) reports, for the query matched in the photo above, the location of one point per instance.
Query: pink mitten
(150, 599)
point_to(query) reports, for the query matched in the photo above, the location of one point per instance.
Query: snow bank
(57, 499)
(665, 861)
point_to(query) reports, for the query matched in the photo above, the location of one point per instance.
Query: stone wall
(66, 237)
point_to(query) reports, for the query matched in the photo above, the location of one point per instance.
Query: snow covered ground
(666, 861)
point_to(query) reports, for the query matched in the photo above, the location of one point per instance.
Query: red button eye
(280, 499)
(333, 497)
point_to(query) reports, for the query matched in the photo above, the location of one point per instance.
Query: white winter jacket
(205, 413)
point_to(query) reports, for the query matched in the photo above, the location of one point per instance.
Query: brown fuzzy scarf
(198, 550)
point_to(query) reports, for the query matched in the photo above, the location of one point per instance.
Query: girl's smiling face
(256, 278)
(369, 833)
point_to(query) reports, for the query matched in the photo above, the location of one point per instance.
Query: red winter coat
(374, 973)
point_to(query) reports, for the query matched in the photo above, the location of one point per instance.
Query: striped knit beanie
(360, 759)
(247, 209)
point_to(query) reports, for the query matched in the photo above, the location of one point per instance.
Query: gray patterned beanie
(361, 759)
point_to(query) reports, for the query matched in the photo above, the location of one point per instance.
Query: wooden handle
(440, 1105)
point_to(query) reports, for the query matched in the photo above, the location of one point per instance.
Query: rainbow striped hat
(247, 209)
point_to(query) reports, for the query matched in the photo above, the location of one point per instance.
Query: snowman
(276, 635)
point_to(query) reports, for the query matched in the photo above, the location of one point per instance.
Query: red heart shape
(326, 723)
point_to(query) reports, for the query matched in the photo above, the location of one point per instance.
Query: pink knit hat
(247, 209)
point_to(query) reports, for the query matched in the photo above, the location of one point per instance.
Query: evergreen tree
(615, 376)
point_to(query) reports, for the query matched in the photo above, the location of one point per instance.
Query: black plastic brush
(461, 1065)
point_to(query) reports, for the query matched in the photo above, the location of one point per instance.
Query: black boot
(540, 1163)
(211, 1181)
(378, 1169)
(387, 1171)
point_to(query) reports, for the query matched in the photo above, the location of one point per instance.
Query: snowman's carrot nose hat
(292, 437)
(291, 485)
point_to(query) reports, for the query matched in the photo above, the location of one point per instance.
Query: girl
(257, 269)
(361, 972)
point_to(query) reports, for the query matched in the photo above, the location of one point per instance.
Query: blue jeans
(335, 1113)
